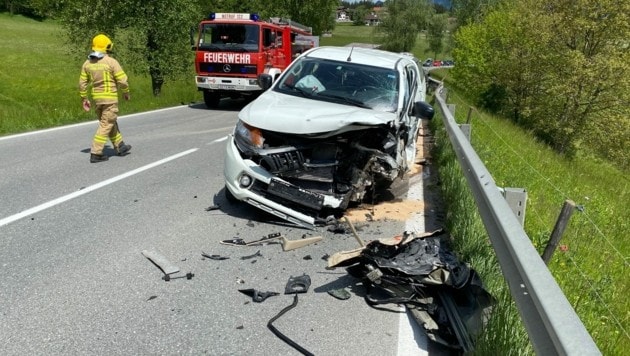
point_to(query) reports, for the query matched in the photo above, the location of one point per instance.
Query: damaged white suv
(337, 125)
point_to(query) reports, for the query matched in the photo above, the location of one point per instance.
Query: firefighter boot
(98, 158)
(123, 149)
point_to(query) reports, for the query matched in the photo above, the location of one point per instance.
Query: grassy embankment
(591, 265)
(38, 89)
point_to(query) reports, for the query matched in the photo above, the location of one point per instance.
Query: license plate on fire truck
(227, 86)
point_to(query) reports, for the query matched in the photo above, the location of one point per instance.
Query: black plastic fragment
(257, 254)
(258, 296)
(299, 284)
(214, 257)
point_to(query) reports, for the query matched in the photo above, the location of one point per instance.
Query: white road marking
(91, 188)
(412, 340)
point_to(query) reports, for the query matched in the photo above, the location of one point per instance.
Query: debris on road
(340, 293)
(445, 296)
(299, 284)
(189, 276)
(287, 245)
(295, 285)
(161, 262)
(258, 296)
(257, 254)
(214, 257)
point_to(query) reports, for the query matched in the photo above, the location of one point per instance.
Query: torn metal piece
(257, 254)
(298, 284)
(281, 335)
(258, 296)
(213, 207)
(214, 257)
(161, 262)
(340, 293)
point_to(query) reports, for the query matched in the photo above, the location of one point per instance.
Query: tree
(358, 17)
(435, 32)
(560, 68)
(402, 23)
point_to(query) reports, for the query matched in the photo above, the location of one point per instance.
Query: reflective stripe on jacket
(106, 76)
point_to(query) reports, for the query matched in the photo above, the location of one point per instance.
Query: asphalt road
(75, 282)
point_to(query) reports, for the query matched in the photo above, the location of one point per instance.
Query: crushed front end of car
(304, 178)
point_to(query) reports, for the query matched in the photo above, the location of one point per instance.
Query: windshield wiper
(345, 99)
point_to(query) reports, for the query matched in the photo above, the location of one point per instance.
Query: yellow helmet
(102, 43)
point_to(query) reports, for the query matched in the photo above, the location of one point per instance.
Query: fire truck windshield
(229, 37)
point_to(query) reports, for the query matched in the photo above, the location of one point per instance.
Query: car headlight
(249, 139)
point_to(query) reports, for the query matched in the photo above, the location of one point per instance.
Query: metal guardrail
(551, 323)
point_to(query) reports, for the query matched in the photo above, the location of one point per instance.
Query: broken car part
(161, 262)
(340, 293)
(354, 232)
(445, 296)
(214, 257)
(287, 245)
(299, 284)
(258, 296)
(167, 277)
(257, 254)
(281, 335)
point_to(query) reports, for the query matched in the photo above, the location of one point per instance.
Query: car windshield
(229, 37)
(342, 82)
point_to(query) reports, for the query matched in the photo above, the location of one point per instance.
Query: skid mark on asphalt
(91, 188)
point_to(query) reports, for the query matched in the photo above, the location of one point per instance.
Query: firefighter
(106, 77)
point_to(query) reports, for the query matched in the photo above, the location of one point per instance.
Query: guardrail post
(517, 200)
(558, 230)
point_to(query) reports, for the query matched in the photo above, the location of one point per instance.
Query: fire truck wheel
(211, 99)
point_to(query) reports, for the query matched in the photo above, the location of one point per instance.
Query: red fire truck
(232, 49)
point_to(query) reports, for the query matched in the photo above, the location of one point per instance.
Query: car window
(342, 82)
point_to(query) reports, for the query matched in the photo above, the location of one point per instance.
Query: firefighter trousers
(107, 128)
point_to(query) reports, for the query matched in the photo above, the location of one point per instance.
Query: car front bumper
(264, 190)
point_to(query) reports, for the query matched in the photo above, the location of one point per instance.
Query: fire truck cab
(232, 49)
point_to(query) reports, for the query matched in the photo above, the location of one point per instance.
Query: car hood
(296, 115)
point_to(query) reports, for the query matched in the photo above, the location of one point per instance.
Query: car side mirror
(264, 81)
(423, 110)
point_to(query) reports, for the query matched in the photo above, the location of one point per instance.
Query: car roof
(360, 55)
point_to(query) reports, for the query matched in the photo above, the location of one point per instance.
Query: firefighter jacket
(106, 76)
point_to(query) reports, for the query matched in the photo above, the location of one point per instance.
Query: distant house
(374, 17)
(372, 20)
(343, 14)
